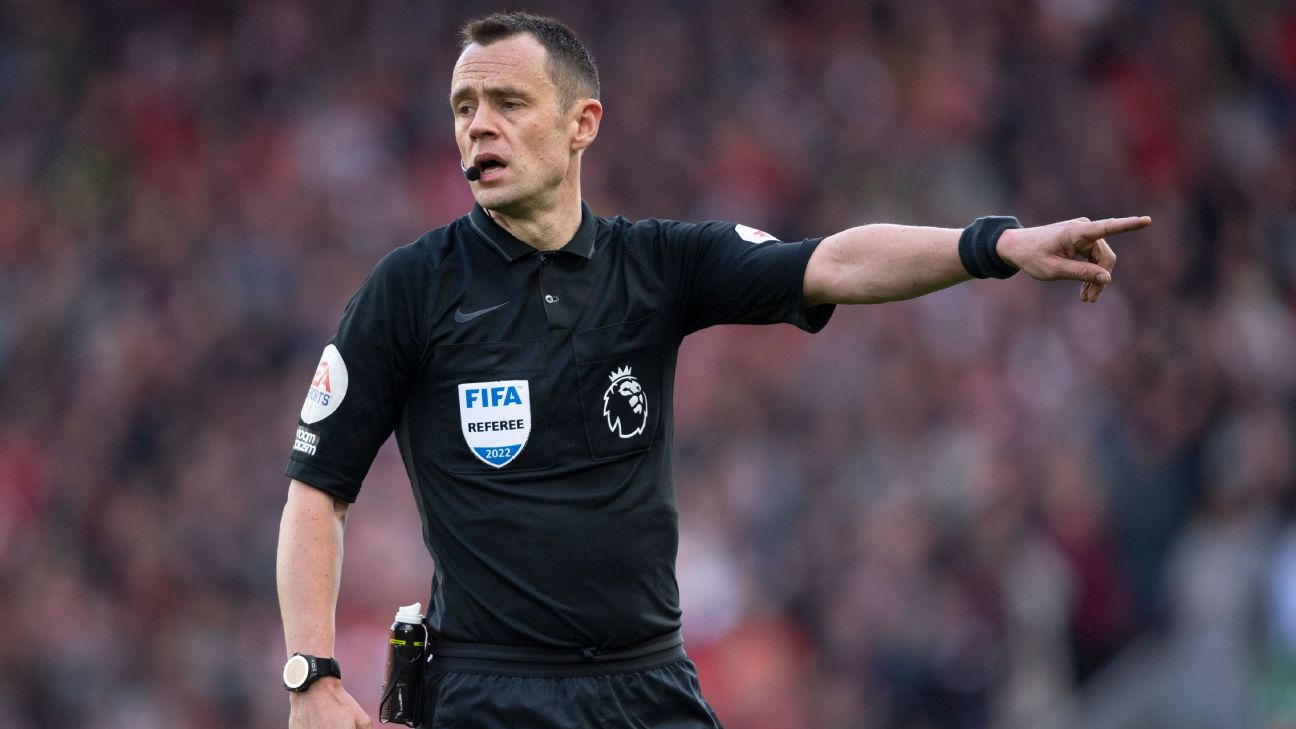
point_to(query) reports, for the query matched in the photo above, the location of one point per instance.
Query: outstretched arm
(876, 263)
(308, 570)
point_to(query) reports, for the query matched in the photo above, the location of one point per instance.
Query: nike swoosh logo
(462, 317)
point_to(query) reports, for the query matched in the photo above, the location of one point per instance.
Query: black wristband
(977, 247)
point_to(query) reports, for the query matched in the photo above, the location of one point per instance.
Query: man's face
(508, 124)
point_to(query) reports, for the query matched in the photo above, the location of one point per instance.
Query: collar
(582, 244)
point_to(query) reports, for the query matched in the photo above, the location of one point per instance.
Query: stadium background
(993, 507)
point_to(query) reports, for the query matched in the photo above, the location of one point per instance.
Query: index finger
(1113, 226)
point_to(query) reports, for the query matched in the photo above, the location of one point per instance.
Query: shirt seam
(429, 328)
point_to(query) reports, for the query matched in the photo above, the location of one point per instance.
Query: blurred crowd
(992, 507)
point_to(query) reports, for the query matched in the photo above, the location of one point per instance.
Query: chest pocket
(619, 373)
(488, 417)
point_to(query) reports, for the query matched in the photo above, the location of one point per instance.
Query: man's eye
(511, 105)
(464, 110)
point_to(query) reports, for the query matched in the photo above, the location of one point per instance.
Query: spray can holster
(402, 695)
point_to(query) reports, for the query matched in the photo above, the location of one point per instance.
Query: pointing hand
(1072, 250)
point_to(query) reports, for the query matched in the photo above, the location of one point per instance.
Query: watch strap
(326, 667)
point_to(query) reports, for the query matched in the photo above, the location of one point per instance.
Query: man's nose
(483, 122)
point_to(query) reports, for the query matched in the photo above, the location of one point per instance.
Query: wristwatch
(301, 671)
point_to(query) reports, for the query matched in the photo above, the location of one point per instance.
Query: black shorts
(499, 688)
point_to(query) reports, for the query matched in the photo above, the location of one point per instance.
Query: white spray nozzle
(410, 613)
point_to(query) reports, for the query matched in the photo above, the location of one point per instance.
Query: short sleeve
(725, 273)
(359, 387)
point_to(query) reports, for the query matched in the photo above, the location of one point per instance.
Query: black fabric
(977, 247)
(666, 697)
(559, 528)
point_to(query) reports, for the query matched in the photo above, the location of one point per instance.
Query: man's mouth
(488, 164)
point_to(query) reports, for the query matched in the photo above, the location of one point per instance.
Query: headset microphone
(472, 173)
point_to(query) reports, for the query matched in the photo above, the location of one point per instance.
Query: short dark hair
(571, 67)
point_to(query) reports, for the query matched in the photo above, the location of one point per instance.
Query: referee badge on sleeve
(496, 419)
(328, 387)
(752, 235)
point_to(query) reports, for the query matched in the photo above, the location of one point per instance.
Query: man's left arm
(876, 263)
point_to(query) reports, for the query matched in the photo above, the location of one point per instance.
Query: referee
(524, 355)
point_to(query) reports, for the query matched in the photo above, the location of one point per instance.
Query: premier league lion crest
(625, 405)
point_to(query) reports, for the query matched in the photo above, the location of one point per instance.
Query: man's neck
(545, 229)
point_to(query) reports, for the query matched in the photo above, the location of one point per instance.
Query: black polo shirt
(531, 394)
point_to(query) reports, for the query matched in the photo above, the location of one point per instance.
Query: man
(525, 357)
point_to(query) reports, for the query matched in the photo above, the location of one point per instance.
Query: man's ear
(585, 123)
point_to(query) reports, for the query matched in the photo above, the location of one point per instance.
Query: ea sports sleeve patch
(752, 235)
(328, 387)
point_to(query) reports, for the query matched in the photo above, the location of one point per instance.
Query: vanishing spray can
(402, 689)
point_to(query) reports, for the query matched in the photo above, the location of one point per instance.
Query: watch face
(295, 672)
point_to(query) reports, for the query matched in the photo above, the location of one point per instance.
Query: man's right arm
(308, 571)
(871, 264)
